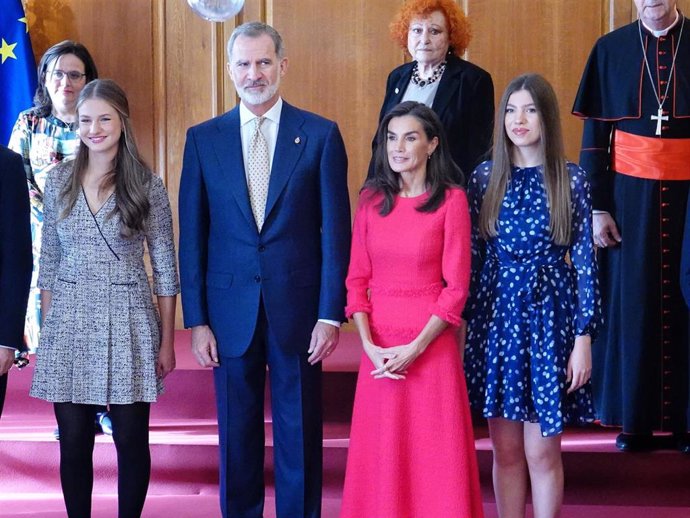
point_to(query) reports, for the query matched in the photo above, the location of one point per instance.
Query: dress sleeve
(359, 271)
(20, 142)
(455, 260)
(160, 241)
(50, 241)
(476, 187)
(596, 160)
(588, 303)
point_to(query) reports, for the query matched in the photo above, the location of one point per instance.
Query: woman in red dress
(411, 449)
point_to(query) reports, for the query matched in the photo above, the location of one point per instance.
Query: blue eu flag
(17, 66)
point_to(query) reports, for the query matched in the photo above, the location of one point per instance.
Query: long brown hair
(556, 177)
(130, 176)
(440, 169)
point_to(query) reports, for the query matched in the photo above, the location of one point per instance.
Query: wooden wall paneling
(50, 21)
(160, 63)
(619, 13)
(549, 37)
(339, 55)
(684, 6)
(192, 94)
(253, 11)
(229, 96)
(122, 47)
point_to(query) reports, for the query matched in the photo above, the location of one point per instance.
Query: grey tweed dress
(100, 339)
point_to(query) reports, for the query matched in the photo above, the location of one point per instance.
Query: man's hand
(204, 346)
(6, 359)
(324, 340)
(604, 230)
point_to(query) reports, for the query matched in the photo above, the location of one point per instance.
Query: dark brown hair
(42, 103)
(440, 169)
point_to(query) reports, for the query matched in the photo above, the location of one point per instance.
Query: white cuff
(331, 322)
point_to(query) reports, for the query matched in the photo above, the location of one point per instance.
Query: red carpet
(600, 481)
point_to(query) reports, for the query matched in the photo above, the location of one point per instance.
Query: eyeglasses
(73, 75)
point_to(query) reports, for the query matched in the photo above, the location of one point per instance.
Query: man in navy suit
(15, 260)
(264, 249)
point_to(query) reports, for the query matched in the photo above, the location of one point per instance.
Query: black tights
(131, 436)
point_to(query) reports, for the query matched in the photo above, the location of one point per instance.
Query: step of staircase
(600, 480)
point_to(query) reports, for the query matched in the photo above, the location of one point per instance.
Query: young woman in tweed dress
(102, 341)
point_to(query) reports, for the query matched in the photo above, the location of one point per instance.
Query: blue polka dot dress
(529, 299)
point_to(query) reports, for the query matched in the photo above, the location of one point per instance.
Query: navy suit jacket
(298, 262)
(464, 102)
(15, 249)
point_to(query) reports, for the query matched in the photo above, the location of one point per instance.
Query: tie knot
(258, 121)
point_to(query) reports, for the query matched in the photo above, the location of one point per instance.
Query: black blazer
(464, 102)
(15, 249)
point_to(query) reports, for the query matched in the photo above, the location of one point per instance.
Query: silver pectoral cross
(658, 118)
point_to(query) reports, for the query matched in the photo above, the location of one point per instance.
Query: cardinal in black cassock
(636, 148)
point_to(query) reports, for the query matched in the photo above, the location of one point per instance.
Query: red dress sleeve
(456, 259)
(359, 271)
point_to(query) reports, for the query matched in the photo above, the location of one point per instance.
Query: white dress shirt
(269, 129)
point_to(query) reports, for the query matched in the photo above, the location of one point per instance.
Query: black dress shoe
(683, 443)
(634, 442)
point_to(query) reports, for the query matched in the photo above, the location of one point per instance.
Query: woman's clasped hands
(392, 362)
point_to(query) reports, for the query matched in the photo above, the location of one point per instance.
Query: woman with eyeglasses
(45, 135)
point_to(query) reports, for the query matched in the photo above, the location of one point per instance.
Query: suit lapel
(228, 148)
(447, 86)
(290, 144)
(401, 86)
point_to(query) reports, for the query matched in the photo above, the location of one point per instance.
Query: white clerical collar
(273, 114)
(663, 32)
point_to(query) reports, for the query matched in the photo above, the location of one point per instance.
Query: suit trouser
(297, 429)
(3, 390)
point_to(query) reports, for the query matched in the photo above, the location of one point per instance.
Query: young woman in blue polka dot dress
(534, 305)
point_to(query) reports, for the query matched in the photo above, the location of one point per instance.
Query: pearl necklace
(438, 72)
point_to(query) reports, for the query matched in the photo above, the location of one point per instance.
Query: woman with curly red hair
(436, 33)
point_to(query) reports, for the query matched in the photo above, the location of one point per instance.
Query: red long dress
(411, 447)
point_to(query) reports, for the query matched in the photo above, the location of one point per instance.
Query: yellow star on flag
(7, 50)
(25, 22)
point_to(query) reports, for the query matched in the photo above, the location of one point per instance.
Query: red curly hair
(459, 33)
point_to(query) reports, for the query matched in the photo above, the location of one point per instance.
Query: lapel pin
(297, 140)
(397, 90)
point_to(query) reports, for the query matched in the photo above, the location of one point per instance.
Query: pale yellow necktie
(258, 172)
